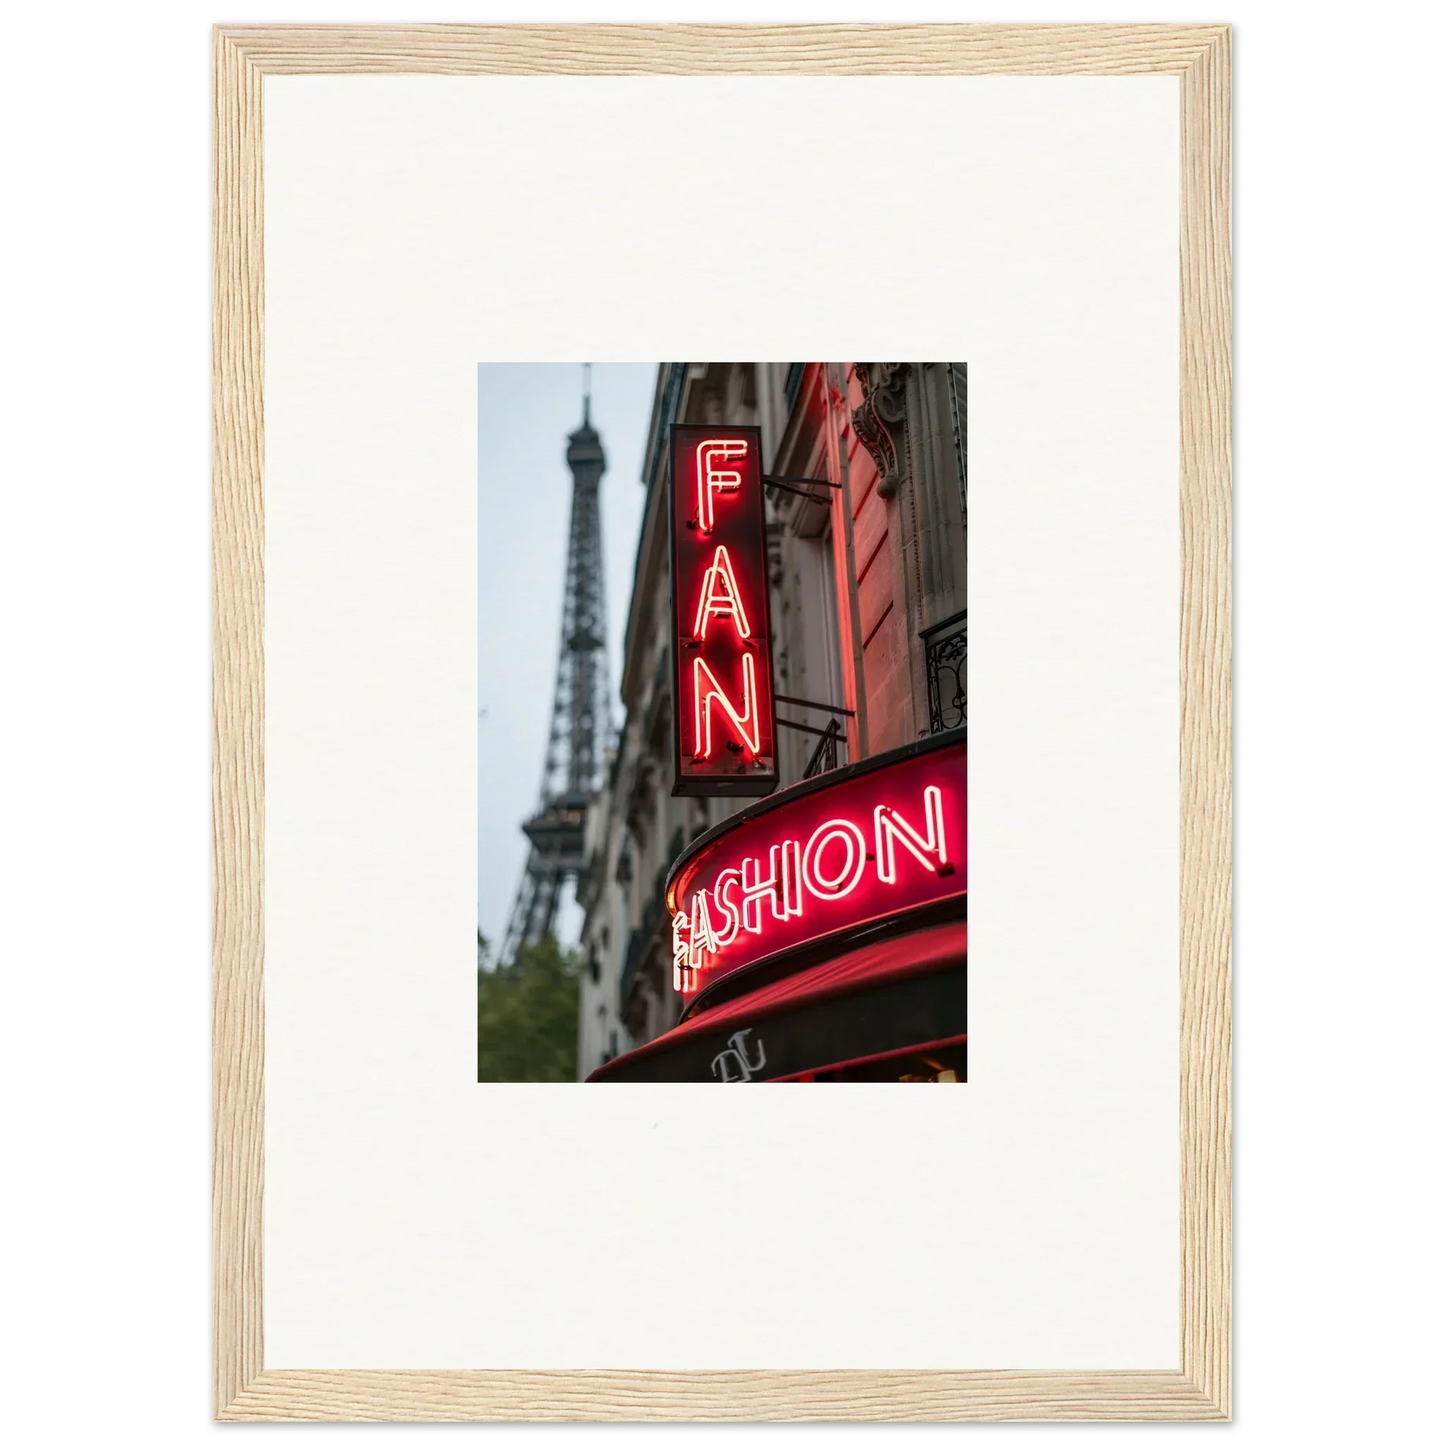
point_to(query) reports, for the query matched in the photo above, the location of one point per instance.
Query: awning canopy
(880, 1000)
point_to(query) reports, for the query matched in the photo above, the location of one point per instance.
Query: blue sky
(524, 498)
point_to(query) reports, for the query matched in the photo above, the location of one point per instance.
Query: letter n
(707, 690)
(890, 827)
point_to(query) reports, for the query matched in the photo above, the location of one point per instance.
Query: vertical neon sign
(722, 664)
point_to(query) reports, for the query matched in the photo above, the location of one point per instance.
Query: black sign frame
(744, 783)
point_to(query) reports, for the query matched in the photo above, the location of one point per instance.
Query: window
(794, 382)
(815, 672)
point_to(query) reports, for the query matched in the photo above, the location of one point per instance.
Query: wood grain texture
(723, 49)
(936, 1395)
(1205, 662)
(238, 762)
(1199, 56)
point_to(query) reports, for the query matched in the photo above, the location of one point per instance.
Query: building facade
(867, 523)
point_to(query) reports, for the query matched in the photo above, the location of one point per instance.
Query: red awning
(872, 966)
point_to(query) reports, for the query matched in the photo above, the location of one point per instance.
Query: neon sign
(710, 479)
(860, 845)
(719, 598)
(722, 649)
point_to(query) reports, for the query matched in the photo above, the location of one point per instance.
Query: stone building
(869, 594)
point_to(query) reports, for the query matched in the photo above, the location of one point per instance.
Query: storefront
(820, 935)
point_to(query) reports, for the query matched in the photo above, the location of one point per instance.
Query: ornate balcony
(945, 653)
(825, 755)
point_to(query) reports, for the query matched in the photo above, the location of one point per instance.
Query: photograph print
(722, 722)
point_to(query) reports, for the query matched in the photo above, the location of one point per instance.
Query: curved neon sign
(880, 839)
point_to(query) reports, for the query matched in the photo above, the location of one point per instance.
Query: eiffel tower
(581, 715)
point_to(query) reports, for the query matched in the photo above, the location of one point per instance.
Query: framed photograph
(672, 705)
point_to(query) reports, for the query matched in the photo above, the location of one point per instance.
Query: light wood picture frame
(1199, 1388)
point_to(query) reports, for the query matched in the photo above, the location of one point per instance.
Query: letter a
(720, 597)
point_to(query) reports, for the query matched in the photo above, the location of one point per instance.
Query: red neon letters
(722, 660)
(719, 597)
(707, 691)
(711, 479)
(885, 840)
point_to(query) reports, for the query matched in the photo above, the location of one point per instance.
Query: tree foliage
(527, 1017)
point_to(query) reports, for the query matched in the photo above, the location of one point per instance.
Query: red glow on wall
(884, 840)
(722, 658)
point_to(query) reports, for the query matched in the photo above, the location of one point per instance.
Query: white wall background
(1043, 1198)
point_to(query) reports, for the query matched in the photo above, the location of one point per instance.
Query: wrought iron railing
(825, 755)
(945, 654)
